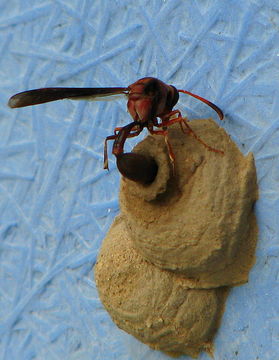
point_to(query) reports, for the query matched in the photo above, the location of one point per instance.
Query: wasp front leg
(111, 137)
(134, 166)
(119, 137)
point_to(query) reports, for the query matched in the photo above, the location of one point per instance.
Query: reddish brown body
(149, 98)
(150, 103)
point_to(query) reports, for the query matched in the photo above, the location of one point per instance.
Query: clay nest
(181, 242)
(197, 220)
(155, 306)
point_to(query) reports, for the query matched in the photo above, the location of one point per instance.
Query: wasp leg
(119, 137)
(188, 130)
(164, 132)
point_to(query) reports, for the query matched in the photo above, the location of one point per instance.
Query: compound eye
(172, 98)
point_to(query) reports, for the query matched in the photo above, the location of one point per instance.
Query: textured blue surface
(56, 202)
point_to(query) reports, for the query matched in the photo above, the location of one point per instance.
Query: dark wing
(40, 96)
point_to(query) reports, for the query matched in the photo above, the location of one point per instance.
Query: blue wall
(56, 201)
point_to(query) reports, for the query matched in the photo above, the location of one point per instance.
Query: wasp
(150, 104)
